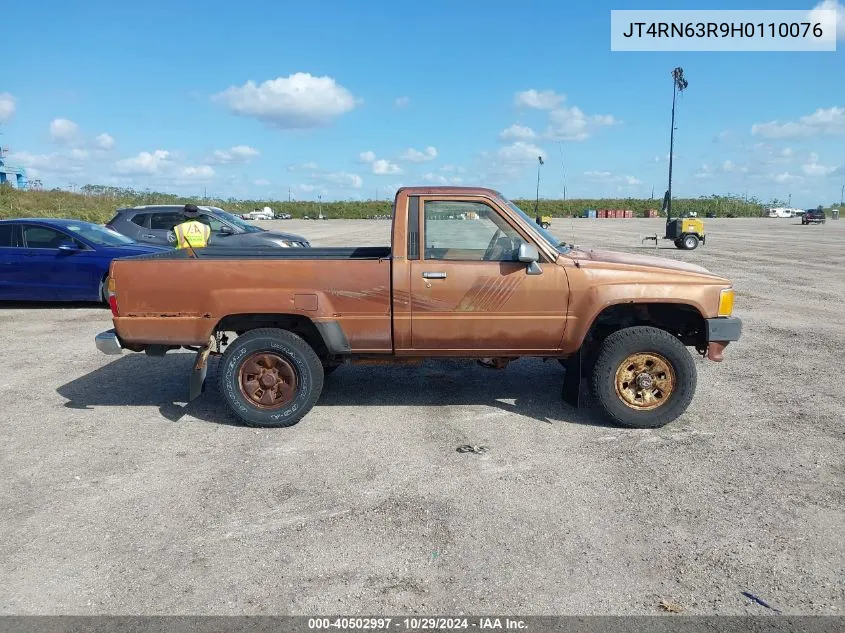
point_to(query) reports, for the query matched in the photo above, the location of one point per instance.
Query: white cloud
(144, 163)
(452, 169)
(384, 167)
(401, 102)
(104, 141)
(307, 166)
(416, 156)
(539, 100)
(517, 132)
(261, 182)
(572, 124)
(829, 5)
(824, 121)
(608, 176)
(78, 154)
(7, 106)
(439, 179)
(520, 153)
(815, 169)
(785, 178)
(63, 130)
(201, 172)
(343, 179)
(366, 157)
(299, 101)
(55, 163)
(236, 154)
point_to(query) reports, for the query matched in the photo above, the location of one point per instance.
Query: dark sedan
(60, 260)
(154, 225)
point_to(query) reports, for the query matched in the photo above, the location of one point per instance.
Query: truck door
(470, 292)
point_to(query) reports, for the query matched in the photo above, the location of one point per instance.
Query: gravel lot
(115, 497)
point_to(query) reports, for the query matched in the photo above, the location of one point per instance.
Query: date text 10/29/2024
(416, 624)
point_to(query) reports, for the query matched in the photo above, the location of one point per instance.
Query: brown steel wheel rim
(267, 380)
(645, 381)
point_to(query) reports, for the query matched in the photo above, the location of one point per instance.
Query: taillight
(112, 296)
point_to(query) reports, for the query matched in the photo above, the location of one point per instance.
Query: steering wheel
(491, 247)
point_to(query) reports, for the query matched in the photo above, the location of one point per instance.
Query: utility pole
(842, 196)
(537, 203)
(789, 204)
(679, 84)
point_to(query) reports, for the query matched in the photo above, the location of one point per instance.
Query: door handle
(149, 236)
(434, 275)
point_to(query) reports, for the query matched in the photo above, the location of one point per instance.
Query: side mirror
(529, 254)
(227, 230)
(68, 247)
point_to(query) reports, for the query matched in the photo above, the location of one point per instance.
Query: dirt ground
(115, 497)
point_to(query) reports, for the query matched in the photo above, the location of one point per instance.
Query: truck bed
(172, 298)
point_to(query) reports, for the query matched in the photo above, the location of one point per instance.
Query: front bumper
(108, 343)
(721, 331)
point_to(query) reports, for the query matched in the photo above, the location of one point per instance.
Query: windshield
(236, 221)
(99, 235)
(546, 235)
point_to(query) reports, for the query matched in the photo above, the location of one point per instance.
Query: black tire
(545, 225)
(619, 347)
(690, 242)
(104, 290)
(679, 244)
(288, 348)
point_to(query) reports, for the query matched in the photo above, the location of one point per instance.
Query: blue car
(60, 260)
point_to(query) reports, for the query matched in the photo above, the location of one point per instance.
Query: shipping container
(591, 213)
(629, 213)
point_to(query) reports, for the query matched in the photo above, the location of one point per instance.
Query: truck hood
(628, 259)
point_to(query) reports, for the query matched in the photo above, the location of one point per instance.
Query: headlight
(284, 244)
(726, 302)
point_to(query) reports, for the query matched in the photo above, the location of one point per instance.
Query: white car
(264, 214)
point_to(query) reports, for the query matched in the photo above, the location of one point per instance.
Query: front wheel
(270, 377)
(545, 225)
(690, 242)
(643, 377)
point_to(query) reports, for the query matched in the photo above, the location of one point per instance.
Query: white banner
(723, 30)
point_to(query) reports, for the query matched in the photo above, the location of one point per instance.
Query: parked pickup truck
(468, 274)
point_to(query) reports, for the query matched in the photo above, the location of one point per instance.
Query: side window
(468, 231)
(42, 237)
(140, 219)
(10, 235)
(213, 223)
(165, 221)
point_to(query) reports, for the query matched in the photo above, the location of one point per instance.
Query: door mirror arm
(529, 254)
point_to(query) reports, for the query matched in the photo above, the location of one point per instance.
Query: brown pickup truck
(468, 275)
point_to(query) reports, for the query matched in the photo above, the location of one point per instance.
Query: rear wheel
(270, 377)
(545, 225)
(690, 242)
(643, 377)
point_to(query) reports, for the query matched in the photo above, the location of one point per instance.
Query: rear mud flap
(199, 372)
(571, 392)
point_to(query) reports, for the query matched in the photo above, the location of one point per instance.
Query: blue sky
(352, 99)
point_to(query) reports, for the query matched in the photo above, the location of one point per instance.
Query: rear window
(164, 221)
(140, 219)
(9, 235)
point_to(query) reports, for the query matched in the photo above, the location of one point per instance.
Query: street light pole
(537, 201)
(679, 84)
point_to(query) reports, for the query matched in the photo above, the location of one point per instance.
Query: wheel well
(681, 320)
(296, 323)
